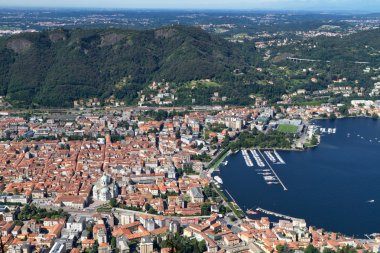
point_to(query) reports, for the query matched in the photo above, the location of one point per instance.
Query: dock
(276, 214)
(247, 159)
(274, 173)
(231, 196)
(279, 158)
(257, 158)
(270, 156)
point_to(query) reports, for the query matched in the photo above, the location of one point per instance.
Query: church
(105, 189)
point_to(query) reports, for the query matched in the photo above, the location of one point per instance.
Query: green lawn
(202, 83)
(284, 128)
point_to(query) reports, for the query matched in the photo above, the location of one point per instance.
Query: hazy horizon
(259, 5)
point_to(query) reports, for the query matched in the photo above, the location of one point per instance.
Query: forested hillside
(53, 68)
(363, 47)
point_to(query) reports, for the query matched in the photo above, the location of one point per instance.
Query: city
(189, 127)
(124, 179)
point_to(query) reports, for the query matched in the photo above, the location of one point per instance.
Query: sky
(313, 5)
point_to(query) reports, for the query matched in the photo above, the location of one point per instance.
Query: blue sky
(352, 5)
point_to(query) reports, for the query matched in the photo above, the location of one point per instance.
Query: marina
(270, 156)
(318, 181)
(257, 158)
(279, 158)
(266, 171)
(275, 178)
(247, 159)
(327, 130)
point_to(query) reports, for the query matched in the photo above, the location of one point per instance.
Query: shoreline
(282, 215)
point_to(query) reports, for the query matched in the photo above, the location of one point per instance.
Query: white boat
(257, 158)
(247, 159)
(270, 156)
(218, 179)
(371, 201)
(279, 158)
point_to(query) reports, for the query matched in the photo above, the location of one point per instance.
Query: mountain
(55, 67)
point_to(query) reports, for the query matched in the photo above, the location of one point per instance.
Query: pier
(257, 158)
(276, 214)
(231, 196)
(270, 156)
(247, 159)
(279, 158)
(274, 173)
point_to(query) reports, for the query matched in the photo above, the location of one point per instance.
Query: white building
(105, 189)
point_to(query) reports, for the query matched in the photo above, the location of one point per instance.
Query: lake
(331, 186)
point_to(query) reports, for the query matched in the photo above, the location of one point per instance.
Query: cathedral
(105, 189)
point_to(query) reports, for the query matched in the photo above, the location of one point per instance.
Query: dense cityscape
(133, 166)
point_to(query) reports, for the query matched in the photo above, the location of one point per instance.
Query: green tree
(332, 116)
(314, 140)
(226, 140)
(343, 110)
(113, 242)
(206, 209)
(311, 249)
(328, 250)
(113, 202)
(95, 247)
(347, 249)
(283, 248)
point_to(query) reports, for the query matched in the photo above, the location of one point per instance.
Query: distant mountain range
(54, 68)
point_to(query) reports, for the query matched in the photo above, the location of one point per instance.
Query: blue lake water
(328, 186)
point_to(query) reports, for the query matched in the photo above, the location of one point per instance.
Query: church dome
(104, 190)
(104, 179)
